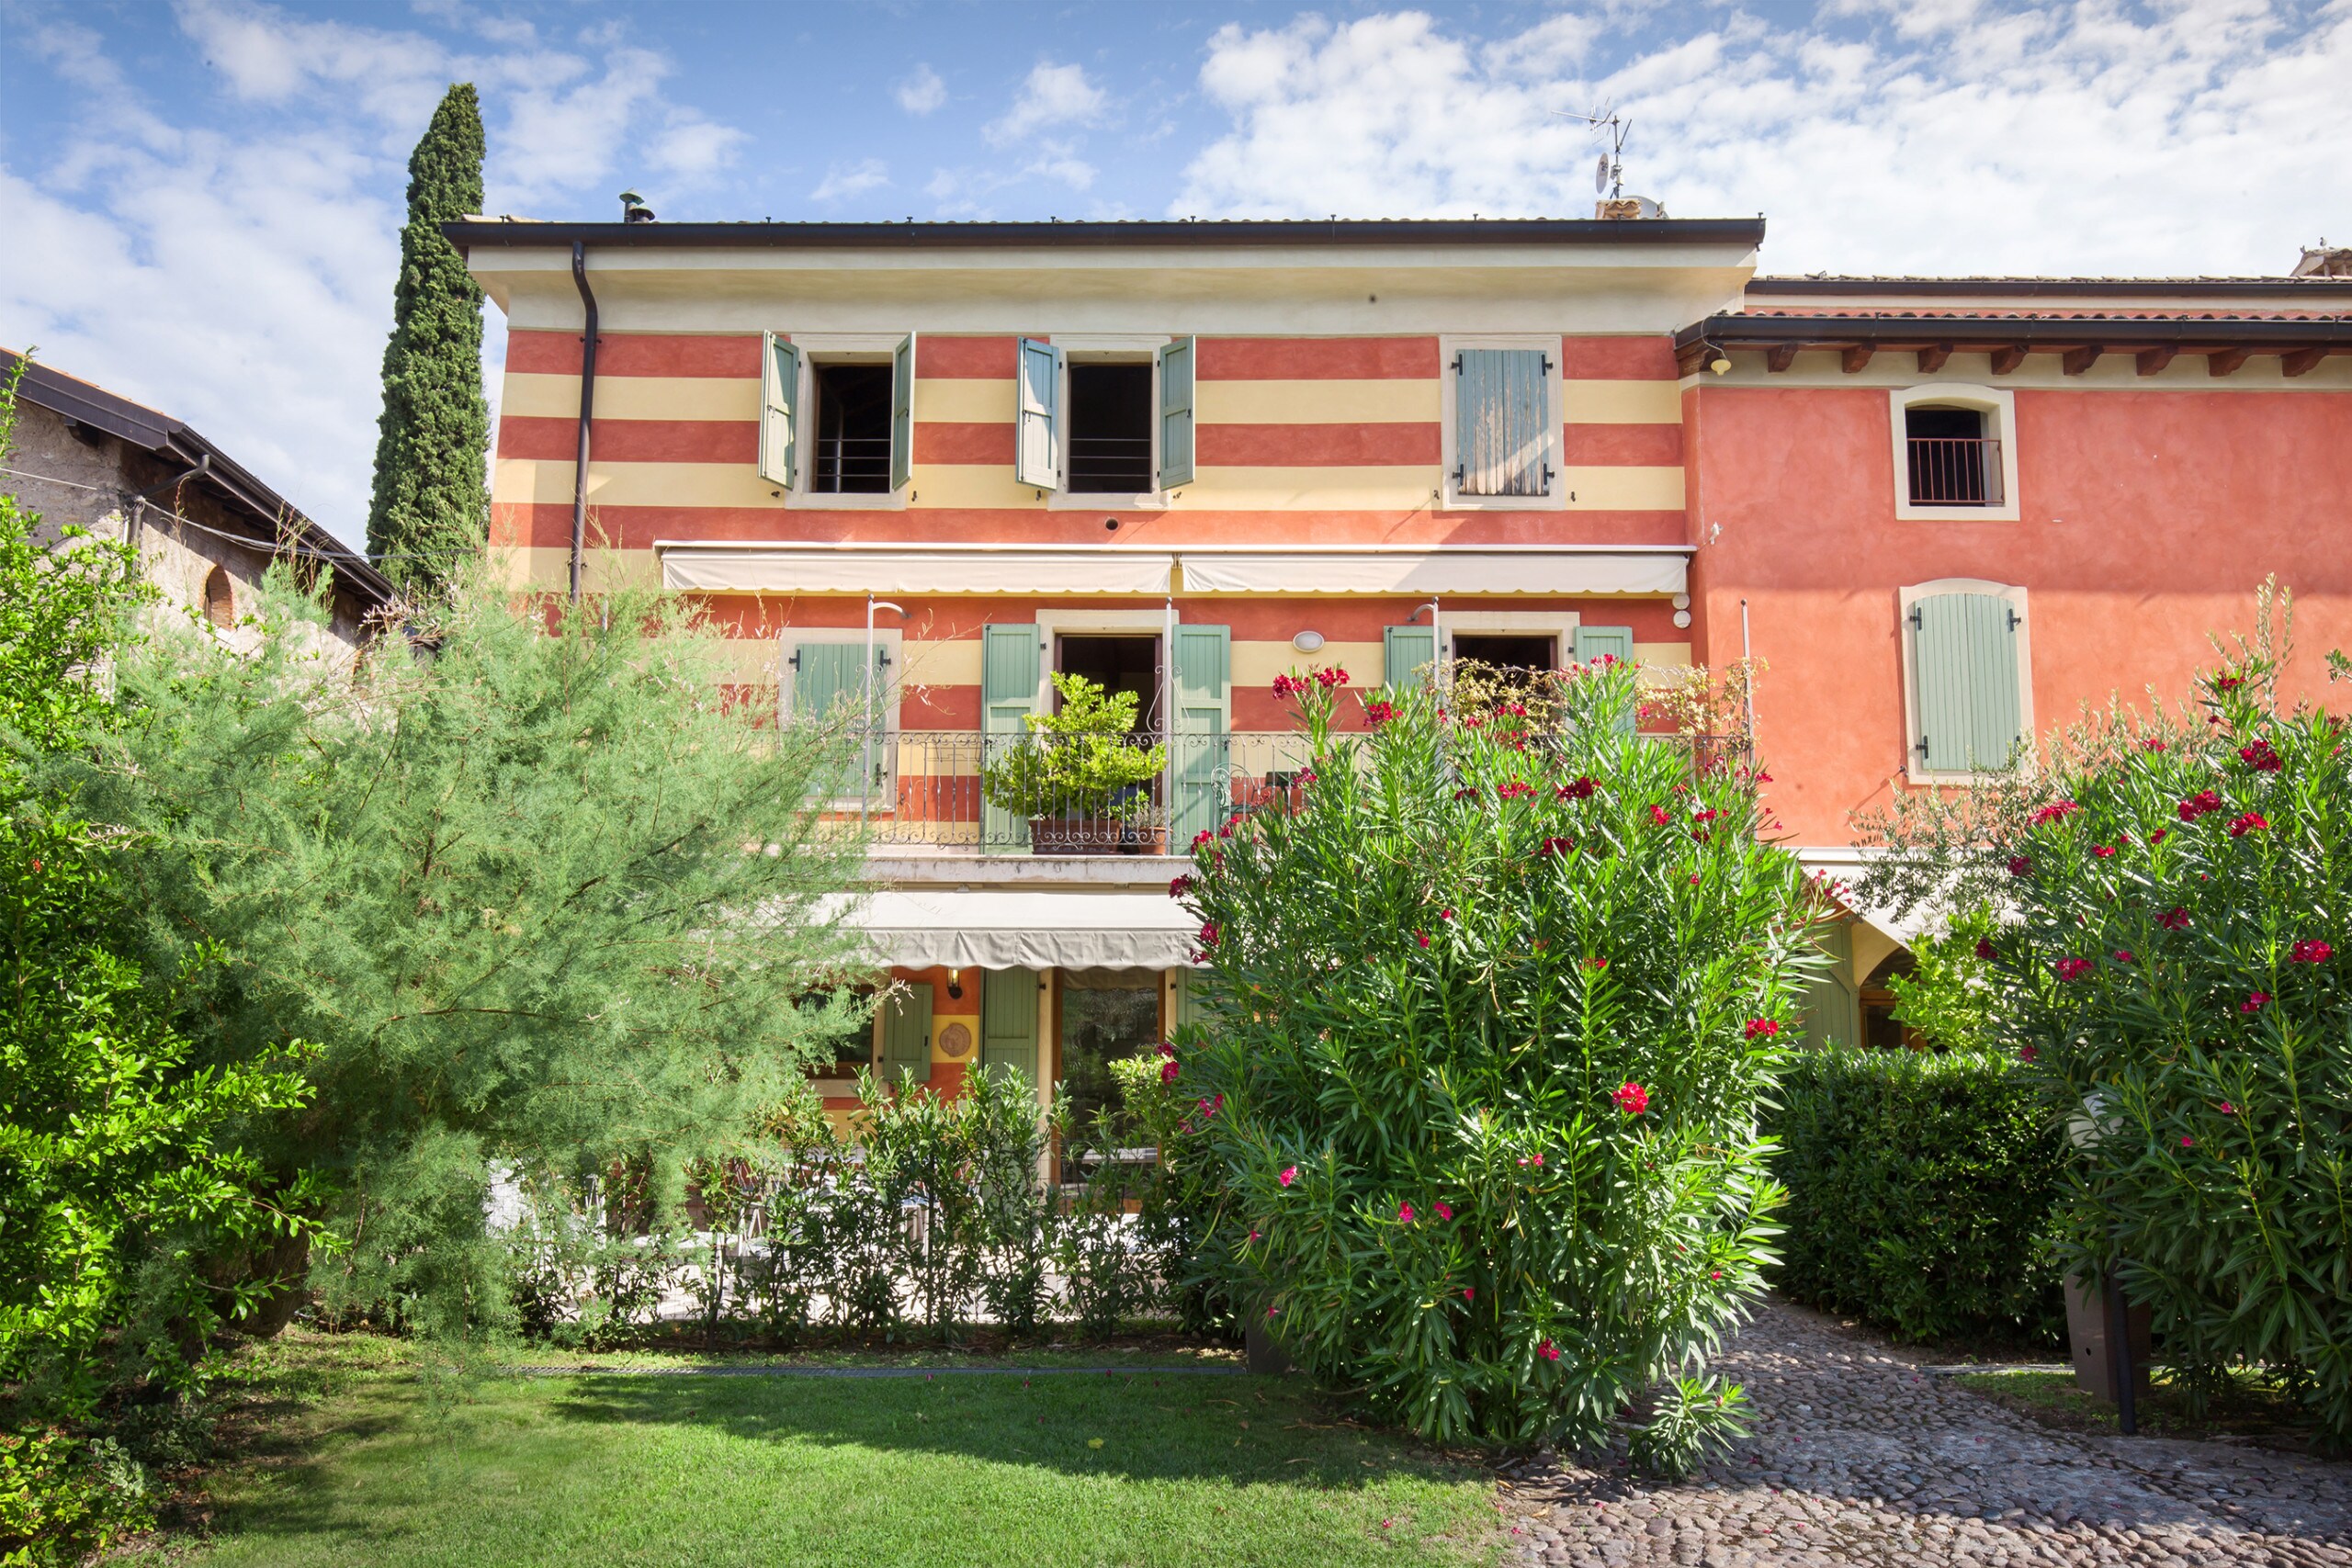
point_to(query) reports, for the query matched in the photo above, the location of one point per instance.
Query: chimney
(633, 208)
(2325, 261)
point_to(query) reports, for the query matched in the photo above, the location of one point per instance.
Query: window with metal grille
(1110, 429)
(852, 445)
(1502, 421)
(1953, 460)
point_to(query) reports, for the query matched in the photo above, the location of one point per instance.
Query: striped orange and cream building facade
(1182, 458)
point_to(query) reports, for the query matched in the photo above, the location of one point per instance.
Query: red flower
(2152, 744)
(1208, 933)
(1422, 937)
(2228, 1110)
(2228, 682)
(1330, 679)
(2057, 811)
(2260, 757)
(1578, 788)
(1556, 846)
(2255, 1002)
(2187, 1142)
(1445, 914)
(1514, 791)
(1632, 1100)
(1467, 792)
(2104, 852)
(1289, 1175)
(2175, 919)
(1596, 964)
(2158, 835)
(2021, 865)
(2027, 1054)
(1379, 712)
(2072, 968)
(1183, 885)
(2250, 822)
(2123, 956)
(1253, 1236)
(1289, 685)
(1168, 1073)
(1658, 815)
(1469, 1294)
(1985, 949)
(1404, 1213)
(1443, 1212)
(2198, 804)
(1548, 1350)
(1762, 1027)
(1202, 837)
(2310, 952)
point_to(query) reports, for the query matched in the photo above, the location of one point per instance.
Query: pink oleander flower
(1467, 792)
(1183, 885)
(1578, 788)
(1985, 949)
(2228, 682)
(1168, 1073)
(2152, 744)
(1331, 679)
(2056, 811)
(1548, 1350)
(1253, 1236)
(2104, 852)
(2158, 835)
(2250, 822)
(2228, 1110)
(1469, 1292)
(2187, 1142)
(1202, 837)
(2072, 968)
(1289, 686)
(1445, 914)
(2255, 1002)
(2174, 919)
(2028, 1054)
(1208, 933)
(2260, 757)
(1762, 1027)
(1514, 791)
(1631, 1099)
(1596, 964)
(1443, 1213)
(1404, 1213)
(1289, 1175)
(1422, 937)
(1658, 815)
(2310, 952)
(1379, 712)
(1556, 846)
(2123, 956)
(2199, 804)
(2021, 865)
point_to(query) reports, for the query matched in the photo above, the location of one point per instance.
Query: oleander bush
(1923, 1189)
(2176, 891)
(1490, 1017)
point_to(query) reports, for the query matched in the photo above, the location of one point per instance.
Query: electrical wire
(245, 539)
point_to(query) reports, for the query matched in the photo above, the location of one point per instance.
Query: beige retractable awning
(983, 929)
(740, 568)
(1523, 569)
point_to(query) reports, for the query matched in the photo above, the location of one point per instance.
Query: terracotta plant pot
(1094, 836)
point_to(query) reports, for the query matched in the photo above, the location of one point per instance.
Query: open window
(1954, 454)
(836, 417)
(1101, 424)
(1503, 423)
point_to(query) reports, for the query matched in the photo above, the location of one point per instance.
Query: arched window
(1955, 453)
(219, 598)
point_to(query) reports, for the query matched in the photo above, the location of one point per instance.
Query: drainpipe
(587, 412)
(1747, 656)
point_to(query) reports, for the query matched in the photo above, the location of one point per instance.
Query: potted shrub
(1081, 776)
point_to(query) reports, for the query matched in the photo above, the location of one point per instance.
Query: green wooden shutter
(906, 1032)
(902, 413)
(1037, 451)
(1176, 413)
(824, 676)
(779, 415)
(1592, 642)
(1197, 760)
(1008, 1022)
(1009, 669)
(1964, 674)
(1830, 1006)
(1407, 654)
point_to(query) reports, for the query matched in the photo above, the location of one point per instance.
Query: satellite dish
(1600, 175)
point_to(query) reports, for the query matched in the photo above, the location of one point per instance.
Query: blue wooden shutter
(902, 413)
(1592, 642)
(1502, 415)
(1008, 1022)
(1197, 760)
(1964, 676)
(1407, 654)
(1830, 1006)
(1037, 452)
(1176, 413)
(779, 410)
(906, 1032)
(1008, 669)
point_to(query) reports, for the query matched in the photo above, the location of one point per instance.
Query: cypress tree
(430, 508)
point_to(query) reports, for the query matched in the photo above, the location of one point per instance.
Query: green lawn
(1061, 1471)
(2249, 1405)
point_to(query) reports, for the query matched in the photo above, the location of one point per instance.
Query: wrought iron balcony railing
(1955, 471)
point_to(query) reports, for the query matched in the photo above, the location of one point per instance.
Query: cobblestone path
(1859, 1458)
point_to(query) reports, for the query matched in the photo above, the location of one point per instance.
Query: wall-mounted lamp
(1307, 642)
(1721, 363)
(956, 984)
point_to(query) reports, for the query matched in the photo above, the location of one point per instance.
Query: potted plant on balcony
(1081, 776)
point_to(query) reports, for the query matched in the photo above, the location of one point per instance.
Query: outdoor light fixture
(1720, 364)
(1307, 642)
(956, 984)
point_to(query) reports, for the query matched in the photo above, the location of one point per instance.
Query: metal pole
(1747, 658)
(1167, 722)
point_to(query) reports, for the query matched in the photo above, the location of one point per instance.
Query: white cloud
(844, 180)
(236, 270)
(921, 93)
(1891, 137)
(1050, 96)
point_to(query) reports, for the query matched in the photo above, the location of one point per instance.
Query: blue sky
(202, 199)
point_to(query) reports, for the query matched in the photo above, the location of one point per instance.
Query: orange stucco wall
(2146, 520)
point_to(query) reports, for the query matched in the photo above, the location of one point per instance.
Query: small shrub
(63, 1498)
(1922, 1190)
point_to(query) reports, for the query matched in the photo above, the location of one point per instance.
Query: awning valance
(1531, 570)
(987, 929)
(913, 569)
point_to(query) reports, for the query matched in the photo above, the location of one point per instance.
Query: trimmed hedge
(1922, 1190)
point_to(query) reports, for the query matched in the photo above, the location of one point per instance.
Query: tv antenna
(1609, 173)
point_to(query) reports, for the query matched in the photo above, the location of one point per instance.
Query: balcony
(921, 794)
(1950, 470)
